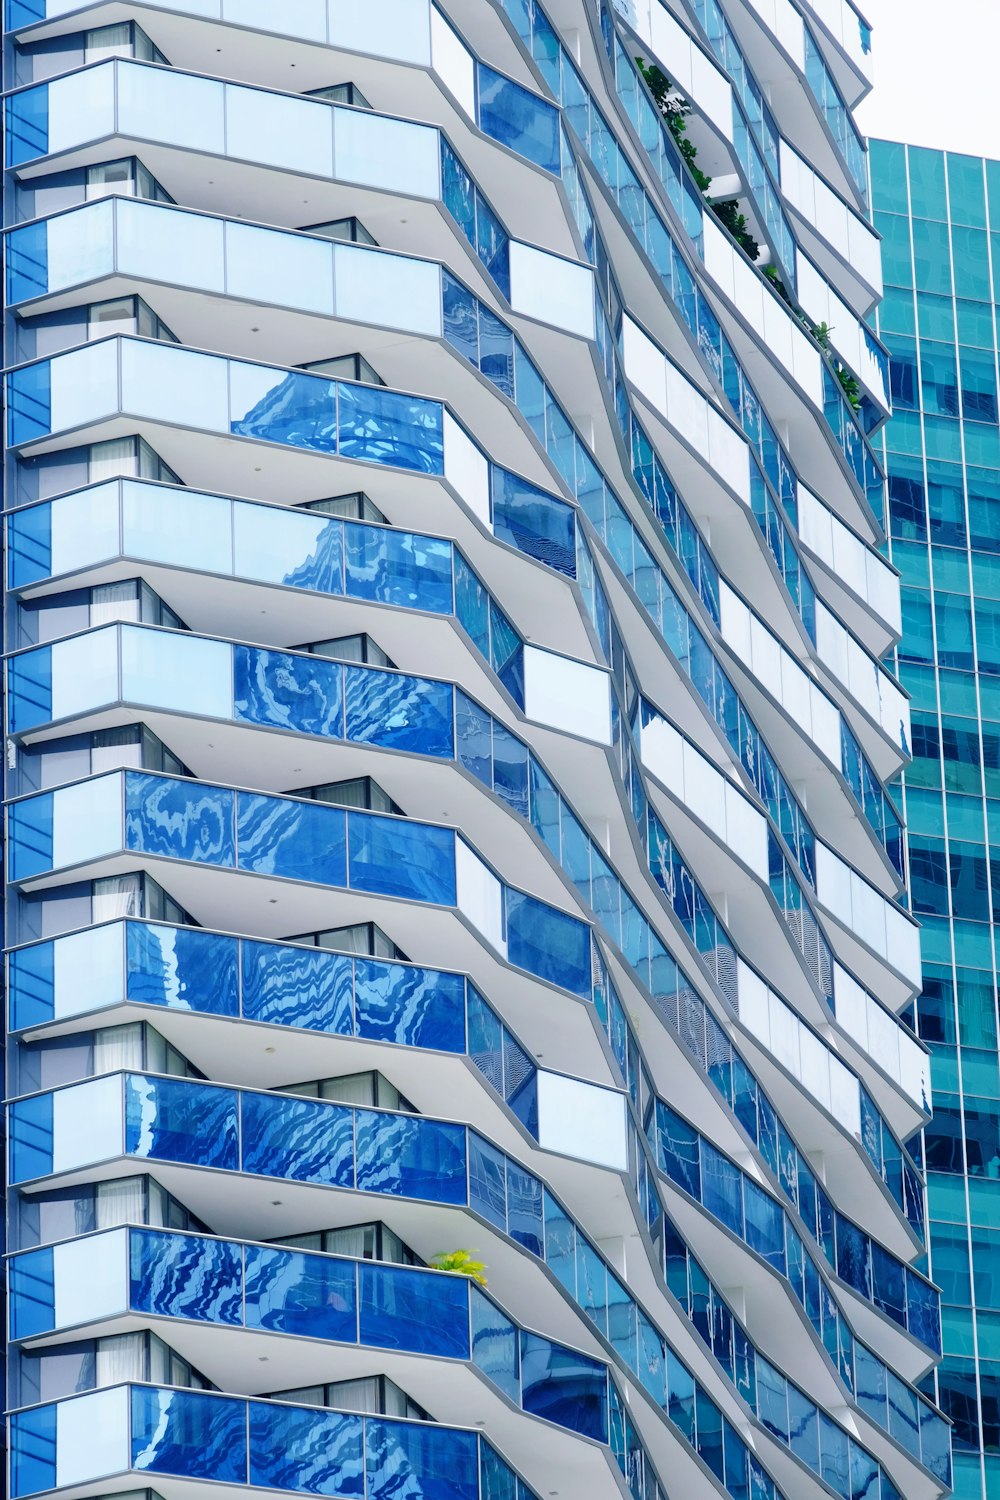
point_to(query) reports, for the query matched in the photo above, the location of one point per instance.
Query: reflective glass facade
(939, 214)
(458, 949)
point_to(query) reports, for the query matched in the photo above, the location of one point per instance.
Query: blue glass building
(448, 739)
(940, 216)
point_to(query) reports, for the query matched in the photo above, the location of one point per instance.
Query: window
(358, 648)
(369, 1090)
(340, 93)
(354, 507)
(124, 39)
(346, 367)
(359, 791)
(350, 229)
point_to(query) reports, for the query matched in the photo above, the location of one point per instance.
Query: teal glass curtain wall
(939, 215)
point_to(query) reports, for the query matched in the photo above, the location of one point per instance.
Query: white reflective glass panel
(387, 28)
(180, 672)
(84, 528)
(80, 246)
(81, 107)
(86, 820)
(272, 544)
(174, 385)
(264, 265)
(278, 131)
(164, 244)
(177, 526)
(386, 153)
(84, 385)
(373, 287)
(306, 18)
(160, 105)
(84, 672)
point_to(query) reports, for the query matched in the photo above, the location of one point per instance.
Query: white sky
(936, 80)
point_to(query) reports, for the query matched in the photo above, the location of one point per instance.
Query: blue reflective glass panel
(410, 1157)
(182, 968)
(419, 1311)
(534, 522)
(439, 1464)
(292, 986)
(495, 1347)
(32, 1294)
(189, 1433)
(549, 943)
(185, 1276)
(291, 838)
(33, 1450)
(287, 691)
(171, 1120)
(32, 985)
(564, 1386)
(305, 1139)
(403, 1003)
(399, 712)
(283, 406)
(179, 819)
(295, 1448)
(313, 1296)
(398, 567)
(385, 427)
(518, 119)
(393, 857)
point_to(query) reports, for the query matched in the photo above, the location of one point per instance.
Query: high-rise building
(939, 215)
(456, 922)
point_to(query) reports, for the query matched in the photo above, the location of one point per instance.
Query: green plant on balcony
(771, 272)
(821, 333)
(729, 216)
(460, 1263)
(848, 382)
(675, 110)
(849, 385)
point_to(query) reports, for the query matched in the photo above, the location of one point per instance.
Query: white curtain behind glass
(117, 896)
(121, 1202)
(113, 601)
(108, 460)
(118, 1047)
(121, 1357)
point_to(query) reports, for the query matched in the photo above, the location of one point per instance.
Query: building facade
(457, 944)
(939, 215)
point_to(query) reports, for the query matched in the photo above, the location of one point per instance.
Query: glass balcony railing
(410, 1311)
(278, 546)
(266, 1445)
(234, 1284)
(278, 984)
(722, 40)
(368, 562)
(900, 1293)
(836, 114)
(373, 1151)
(399, 292)
(785, 1410)
(391, 710)
(375, 425)
(663, 153)
(523, 384)
(608, 159)
(145, 102)
(145, 963)
(291, 838)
